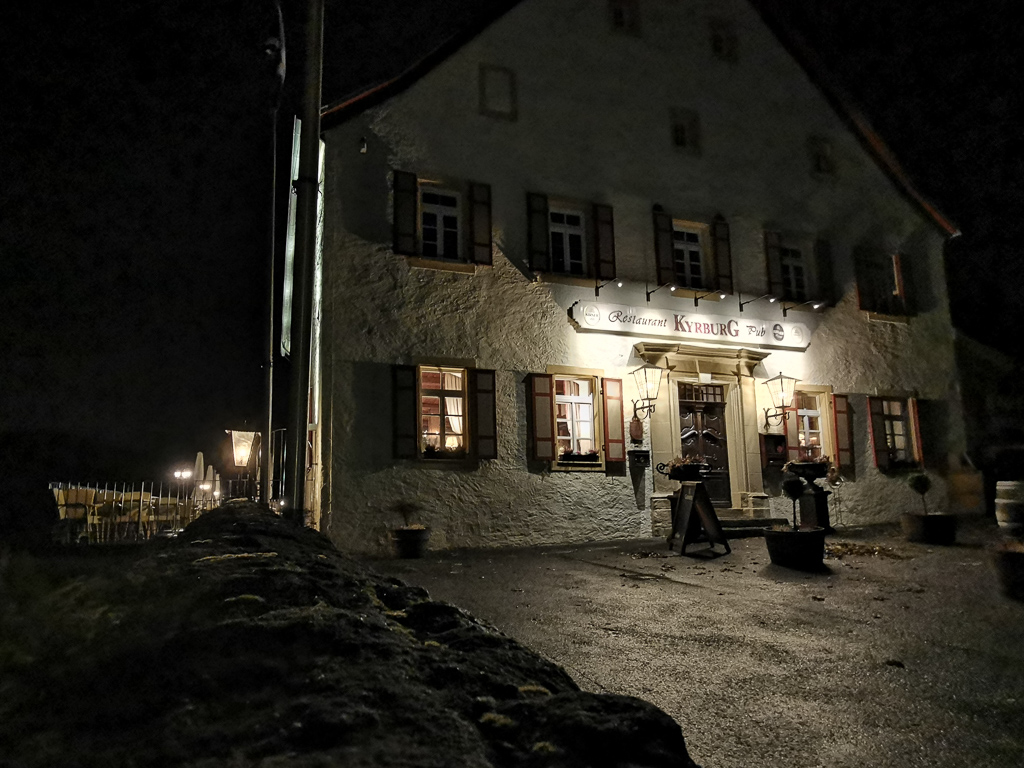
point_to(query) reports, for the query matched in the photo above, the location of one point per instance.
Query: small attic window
(686, 131)
(624, 17)
(498, 93)
(725, 42)
(823, 162)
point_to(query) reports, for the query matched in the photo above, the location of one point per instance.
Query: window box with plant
(684, 468)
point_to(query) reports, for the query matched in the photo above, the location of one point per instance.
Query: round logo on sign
(591, 315)
(778, 333)
(798, 335)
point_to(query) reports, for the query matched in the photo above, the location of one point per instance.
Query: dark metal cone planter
(1009, 564)
(802, 549)
(410, 542)
(937, 528)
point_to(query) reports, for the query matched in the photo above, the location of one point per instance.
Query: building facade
(585, 188)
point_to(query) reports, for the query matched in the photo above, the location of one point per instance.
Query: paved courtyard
(900, 655)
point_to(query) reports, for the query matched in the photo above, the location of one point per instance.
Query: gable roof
(390, 44)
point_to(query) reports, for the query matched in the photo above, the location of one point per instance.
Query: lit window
(808, 426)
(442, 412)
(574, 419)
(893, 433)
(568, 246)
(439, 219)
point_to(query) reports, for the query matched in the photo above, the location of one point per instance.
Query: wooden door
(702, 432)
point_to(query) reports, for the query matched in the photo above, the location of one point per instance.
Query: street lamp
(241, 446)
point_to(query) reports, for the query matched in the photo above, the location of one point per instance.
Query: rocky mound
(247, 641)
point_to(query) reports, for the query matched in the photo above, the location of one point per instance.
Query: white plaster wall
(594, 124)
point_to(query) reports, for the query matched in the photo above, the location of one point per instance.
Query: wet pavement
(899, 654)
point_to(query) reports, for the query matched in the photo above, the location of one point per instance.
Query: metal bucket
(1010, 507)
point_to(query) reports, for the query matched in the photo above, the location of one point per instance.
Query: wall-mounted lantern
(781, 389)
(648, 382)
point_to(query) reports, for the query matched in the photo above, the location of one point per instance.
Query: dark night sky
(134, 173)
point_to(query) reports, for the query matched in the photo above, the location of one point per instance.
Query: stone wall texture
(593, 124)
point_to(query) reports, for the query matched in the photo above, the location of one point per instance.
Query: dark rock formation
(248, 641)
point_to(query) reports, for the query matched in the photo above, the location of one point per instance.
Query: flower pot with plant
(927, 527)
(410, 539)
(795, 547)
(684, 468)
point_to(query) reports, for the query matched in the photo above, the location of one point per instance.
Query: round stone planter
(410, 542)
(1009, 565)
(802, 549)
(938, 528)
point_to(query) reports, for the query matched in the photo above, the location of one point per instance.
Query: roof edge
(850, 113)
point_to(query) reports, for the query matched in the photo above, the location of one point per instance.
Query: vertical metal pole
(307, 190)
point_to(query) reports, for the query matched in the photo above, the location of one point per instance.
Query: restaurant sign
(691, 326)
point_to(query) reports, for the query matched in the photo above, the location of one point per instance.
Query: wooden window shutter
(483, 413)
(915, 430)
(842, 424)
(614, 421)
(480, 223)
(722, 249)
(823, 261)
(791, 428)
(663, 246)
(879, 446)
(405, 442)
(405, 193)
(773, 262)
(604, 241)
(542, 399)
(907, 286)
(538, 232)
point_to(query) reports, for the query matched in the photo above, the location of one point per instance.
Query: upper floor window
(568, 242)
(447, 221)
(686, 131)
(688, 256)
(692, 255)
(498, 92)
(882, 282)
(725, 44)
(570, 238)
(794, 274)
(822, 160)
(624, 16)
(799, 268)
(439, 218)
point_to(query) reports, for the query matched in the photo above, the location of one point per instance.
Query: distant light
(721, 295)
(816, 306)
(619, 283)
(771, 300)
(672, 288)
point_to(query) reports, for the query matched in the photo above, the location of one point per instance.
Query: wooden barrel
(1010, 507)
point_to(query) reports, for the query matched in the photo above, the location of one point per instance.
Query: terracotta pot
(410, 542)
(802, 549)
(1009, 565)
(938, 528)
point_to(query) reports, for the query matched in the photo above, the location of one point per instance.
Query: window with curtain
(574, 419)
(808, 416)
(442, 412)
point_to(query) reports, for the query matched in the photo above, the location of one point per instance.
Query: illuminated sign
(689, 326)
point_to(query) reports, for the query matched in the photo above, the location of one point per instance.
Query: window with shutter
(568, 237)
(577, 420)
(881, 286)
(895, 440)
(443, 413)
(842, 422)
(448, 221)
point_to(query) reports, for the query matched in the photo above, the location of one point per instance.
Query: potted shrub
(793, 546)
(685, 468)
(411, 538)
(927, 527)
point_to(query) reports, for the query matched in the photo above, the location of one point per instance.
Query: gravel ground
(899, 655)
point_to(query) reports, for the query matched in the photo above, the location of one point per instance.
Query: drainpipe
(307, 189)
